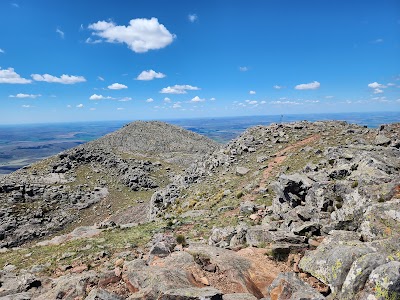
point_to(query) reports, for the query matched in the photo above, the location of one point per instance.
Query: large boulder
(288, 286)
(332, 260)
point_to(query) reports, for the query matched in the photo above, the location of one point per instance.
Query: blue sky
(125, 60)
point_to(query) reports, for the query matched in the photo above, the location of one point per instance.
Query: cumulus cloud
(64, 79)
(243, 69)
(20, 95)
(141, 35)
(378, 91)
(125, 99)
(166, 99)
(212, 99)
(117, 86)
(149, 100)
(251, 102)
(61, 33)
(150, 75)
(278, 87)
(376, 85)
(176, 105)
(26, 106)
(192, 18)
(285, 102)
(2, 51)
(99, 97)
(10, 76)
(120, 108)
(197, 99)
(79, 105)
(252, 92)
(308, 86)
(179, 89)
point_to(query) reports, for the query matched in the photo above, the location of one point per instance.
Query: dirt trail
(277, 161)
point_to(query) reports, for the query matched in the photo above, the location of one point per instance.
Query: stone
(239, 296)
(382, 140)
(261, 234)
(100, 294)
(384, 282)
(359, 273)
(192, 293)
(247, 208)
(241, 171)
(288, 286)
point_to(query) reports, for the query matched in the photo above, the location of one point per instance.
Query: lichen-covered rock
(359, 273)
(239, 296)
(332, 260)
(100, 294)
(381, 220)
(288, 286)
(384, 282)
(261, 234)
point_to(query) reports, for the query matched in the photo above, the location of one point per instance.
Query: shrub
(181, 240)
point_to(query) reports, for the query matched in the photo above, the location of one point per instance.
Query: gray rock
(384, 282)
(100, 294)
(259, 234)
(238, 296)
(359, 273)
(288, 286)
(192, 293)
(332, 260)
(242, 171)
(382, 140)
(247, 208)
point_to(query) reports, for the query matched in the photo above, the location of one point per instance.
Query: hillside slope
(287, 211)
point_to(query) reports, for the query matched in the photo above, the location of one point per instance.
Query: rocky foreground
(288, 211)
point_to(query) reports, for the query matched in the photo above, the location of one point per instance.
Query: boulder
(241, 171)
(359, 273)
(192, 293)
(239, 296)
(384, 282)
(100, 294)
(288, 286)
(382, 140)
(261, 234)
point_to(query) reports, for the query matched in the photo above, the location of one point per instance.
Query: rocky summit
(152, 211)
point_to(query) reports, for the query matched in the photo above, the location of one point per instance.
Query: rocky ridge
(287, 211)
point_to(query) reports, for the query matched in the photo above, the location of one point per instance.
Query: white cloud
(99, 97)
(2, 51)
(10, 76)
(176, 105)
(120, 108)
(197, 99)
(100, 78)
(69, 106)
(243, 69)
(278, 87)
(377, 41)
(286, 102)
(329, 97)
(150, 75)
(61, 33)
(25, 96)
(312, 101)
(64, 79)
(252, 92)
(192, 18)
(141, 35)
(79, 105)
(391, 84)
(212, 99)
(15, 5)
(117, 86)
(92, 41)
(149, 100)
(376, 85)
(263, 102)
(179, 89)
(251, 102)
(166, 99)
(26, 106)
(92, 108)
(308, 86)
(125, 99)
(378, 91)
